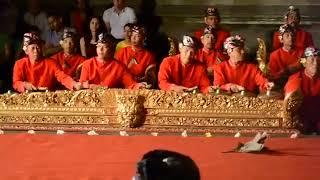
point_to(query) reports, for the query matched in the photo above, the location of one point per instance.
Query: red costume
(281, 59)
(172, 72)
(210, 58)
(303, 39)
(245, 75)
(136, 61)
(111, 74)
(68, 64)
(221, 35)
(310, 88)
(41, 74)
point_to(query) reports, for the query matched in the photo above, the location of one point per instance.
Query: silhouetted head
(166, 165)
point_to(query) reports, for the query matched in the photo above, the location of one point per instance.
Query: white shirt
(53, 38)
(117, 21)
(40, 20)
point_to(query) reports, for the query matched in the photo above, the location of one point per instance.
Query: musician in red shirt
(307, 81)
(303, 38)
(212, 18)
(207, 54)
(139, 61)
(284, 61)
(182, 72)
(236, 74)
(104, 71)
(34, 72)
(68, 60)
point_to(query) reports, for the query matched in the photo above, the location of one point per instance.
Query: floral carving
(144, 110)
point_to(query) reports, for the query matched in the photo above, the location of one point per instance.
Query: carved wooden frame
(147, 111)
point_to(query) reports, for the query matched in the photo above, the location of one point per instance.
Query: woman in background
(88, 41)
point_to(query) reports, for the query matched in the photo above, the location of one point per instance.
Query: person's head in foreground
(312, 56)
(286, 35)
(166, 165)
(105, 46)
(68, 41)
(209, 38)
(137, 35)
(187, 48)
(234, 46)
(32, 46)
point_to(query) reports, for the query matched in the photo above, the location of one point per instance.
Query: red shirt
(300, 81)
(68, 64)
(309, 109)
(172, 72)
(246, 75)
(44, 73)
(111, 74)
(210, 58)
(136, 61)
(281, 59)
(303, 39)
(222, 35)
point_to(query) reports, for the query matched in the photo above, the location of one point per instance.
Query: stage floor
(82, 157)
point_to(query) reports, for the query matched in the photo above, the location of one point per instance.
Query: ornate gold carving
(130, 110)
(262, 55)
(83, 98)
(57, 120)
(114, 109)
(290, 110)
(212, 122)
(173, 47)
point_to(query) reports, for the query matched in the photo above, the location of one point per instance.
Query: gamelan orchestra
(112, 77)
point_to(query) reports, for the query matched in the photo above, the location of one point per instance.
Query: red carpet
(81, 157)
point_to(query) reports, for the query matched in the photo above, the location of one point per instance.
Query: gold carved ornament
(262, 55)
(146, 110)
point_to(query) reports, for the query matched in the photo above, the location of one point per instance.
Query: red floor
(82, 157)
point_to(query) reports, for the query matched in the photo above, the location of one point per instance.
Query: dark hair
(167, 165)
(109, 40)
(87, 31)
(55, 15)
(128, 25)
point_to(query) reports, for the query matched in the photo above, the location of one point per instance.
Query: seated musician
(182, 72)
(68, 60)
(307, 81)
(236, 74)
(208, 55)
(34, 72)
(138, 59)
(212, 18)
(303, 38)
(104, 71)
(284, 61)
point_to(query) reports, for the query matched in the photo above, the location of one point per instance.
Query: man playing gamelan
(182, 72)
(307, 82)
(34, 72)
(104, 71)
(236, 74)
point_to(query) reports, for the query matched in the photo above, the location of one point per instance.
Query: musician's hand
(269, 85)
(177, 88)
(76, 86)
(28, 86)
